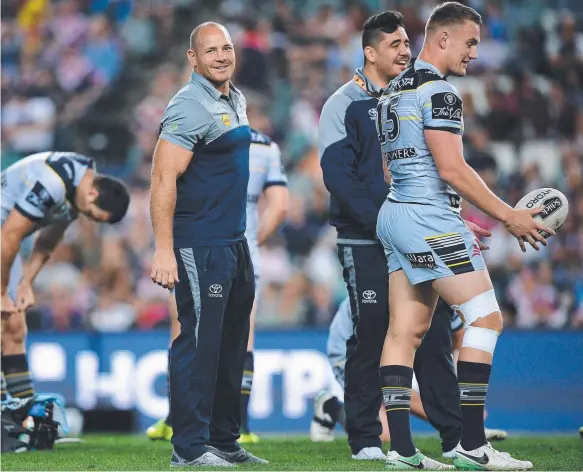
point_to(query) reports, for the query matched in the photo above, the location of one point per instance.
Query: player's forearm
(472, 188)
(9, 249)
(162, 206)
(41, 253)
(271, 219)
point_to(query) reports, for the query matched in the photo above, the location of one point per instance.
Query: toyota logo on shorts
(369, 294)
(215, 289)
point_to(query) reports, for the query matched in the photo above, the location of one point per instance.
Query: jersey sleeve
(185, 123)
(275, 169)
(442, 107)
(40, 196)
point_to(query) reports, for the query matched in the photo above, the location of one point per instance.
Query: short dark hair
(386, 22)
(452, 14)
(113, 197)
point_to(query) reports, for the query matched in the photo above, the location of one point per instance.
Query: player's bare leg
(472, 294)
(411, 309)
(246, 435)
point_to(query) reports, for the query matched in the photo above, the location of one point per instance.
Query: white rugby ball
(554, 203)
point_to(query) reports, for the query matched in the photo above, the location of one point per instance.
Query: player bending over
(430, 252)
(267, 177)
(43, 192)
(329, 410)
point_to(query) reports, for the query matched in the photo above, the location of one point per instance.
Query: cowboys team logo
(449, 98)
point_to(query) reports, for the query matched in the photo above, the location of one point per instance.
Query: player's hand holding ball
(537, 216)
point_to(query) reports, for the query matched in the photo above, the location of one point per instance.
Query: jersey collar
(421, 64)
(367, 85)
(196, 77)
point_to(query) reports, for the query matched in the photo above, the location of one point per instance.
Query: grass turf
(124, 452)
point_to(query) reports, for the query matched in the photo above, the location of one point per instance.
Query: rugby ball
(554, 203)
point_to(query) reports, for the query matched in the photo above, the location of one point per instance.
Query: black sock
(473, 378)
(246, 386)
(18, 381)
(333, 408)
(396, 383)
(3, 387)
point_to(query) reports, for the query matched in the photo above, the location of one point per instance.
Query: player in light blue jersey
(430, 252)
(43, 192)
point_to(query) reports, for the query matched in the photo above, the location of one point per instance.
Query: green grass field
(138, 453)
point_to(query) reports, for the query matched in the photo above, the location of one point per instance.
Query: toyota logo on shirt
(369, 296)
(215, 291)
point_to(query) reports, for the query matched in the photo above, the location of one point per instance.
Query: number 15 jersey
(418, 99)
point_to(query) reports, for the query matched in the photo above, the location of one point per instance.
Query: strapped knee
(478, 307)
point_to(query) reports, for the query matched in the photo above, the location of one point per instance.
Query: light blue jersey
(418, 99)
(419, 224)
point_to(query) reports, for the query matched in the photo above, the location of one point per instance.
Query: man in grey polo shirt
(198, 209)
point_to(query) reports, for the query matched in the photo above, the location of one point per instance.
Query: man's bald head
(206, 26)
(212, 53)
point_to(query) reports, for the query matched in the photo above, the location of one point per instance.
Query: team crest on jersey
(40, 198)
(372, 113)
(446, 106)
(226, 120)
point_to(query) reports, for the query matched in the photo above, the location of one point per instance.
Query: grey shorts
(427, 242)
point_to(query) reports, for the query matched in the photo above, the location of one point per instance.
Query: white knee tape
(483, 339)
(478, 307)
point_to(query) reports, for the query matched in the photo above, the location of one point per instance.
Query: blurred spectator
(68, 26)
(139, 32)
(536, 299)
(562, 114)
(252, 67)
(28, 122)
(103, 51)
(564, 47)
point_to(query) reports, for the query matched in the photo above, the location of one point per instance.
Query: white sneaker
(449, 454)
(394, 461)
(369, 454)
(495, 434)
(322, 426)
(487, 458)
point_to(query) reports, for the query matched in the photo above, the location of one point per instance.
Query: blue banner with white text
(536, 386)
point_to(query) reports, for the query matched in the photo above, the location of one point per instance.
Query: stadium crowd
(94, 76)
